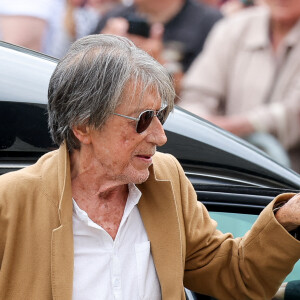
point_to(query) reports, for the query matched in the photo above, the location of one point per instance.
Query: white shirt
(113, 269)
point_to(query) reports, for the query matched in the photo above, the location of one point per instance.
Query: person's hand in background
(152, 44)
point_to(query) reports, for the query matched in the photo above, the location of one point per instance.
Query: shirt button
(117, 282)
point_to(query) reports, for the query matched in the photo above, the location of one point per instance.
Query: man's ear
(82, 132)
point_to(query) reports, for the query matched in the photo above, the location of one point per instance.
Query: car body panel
(34, 70)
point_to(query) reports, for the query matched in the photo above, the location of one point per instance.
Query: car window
(238, 225)
(23, 127)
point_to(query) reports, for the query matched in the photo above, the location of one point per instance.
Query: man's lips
(144, 156)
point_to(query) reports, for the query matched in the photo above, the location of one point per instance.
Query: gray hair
(93, 79)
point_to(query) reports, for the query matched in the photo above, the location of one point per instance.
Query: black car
(232, 178)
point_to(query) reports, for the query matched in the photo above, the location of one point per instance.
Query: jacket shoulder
(24, 181)
(241, 22)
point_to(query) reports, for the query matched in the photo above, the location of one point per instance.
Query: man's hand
(153, 44)
(289, 214)
(116, 26)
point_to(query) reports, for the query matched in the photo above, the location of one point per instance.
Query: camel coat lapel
(62, 249)
(160, 217)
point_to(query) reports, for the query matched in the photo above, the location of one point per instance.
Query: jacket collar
(258, 32)
(293, 36)
(62, 249)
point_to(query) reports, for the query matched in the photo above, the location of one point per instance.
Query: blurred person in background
(50, 26)
(31, 24)
(80, 17)
(246, 80)
(178, 29)
(230, 6)
(215, 3)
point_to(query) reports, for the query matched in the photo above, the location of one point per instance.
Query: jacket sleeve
(216, 264)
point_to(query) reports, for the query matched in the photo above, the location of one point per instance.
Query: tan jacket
(36, 238)
(237, 73)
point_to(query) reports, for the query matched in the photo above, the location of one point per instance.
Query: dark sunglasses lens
(162, 115)
(145, 120)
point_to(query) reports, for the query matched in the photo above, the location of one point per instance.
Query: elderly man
(105, 217)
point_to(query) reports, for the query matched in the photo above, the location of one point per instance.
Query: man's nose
(156, 133)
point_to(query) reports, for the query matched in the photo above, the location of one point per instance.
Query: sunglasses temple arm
(127, 117)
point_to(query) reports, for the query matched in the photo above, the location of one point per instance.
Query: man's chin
(142, 177)
(134, 176)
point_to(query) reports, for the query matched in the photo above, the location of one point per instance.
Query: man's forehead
(141, 100)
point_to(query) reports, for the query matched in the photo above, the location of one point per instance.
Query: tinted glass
(23, 127)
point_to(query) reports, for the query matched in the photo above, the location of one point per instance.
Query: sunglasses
(145, 118)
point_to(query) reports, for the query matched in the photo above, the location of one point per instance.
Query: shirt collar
(293, 36)
(258, 35)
